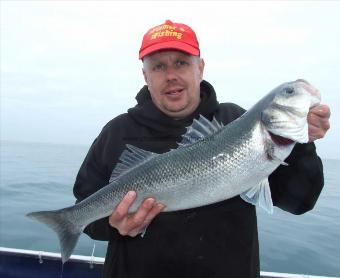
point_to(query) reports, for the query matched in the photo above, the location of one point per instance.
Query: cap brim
(169, 45)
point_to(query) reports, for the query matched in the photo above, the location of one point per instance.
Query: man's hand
(134, 223)
(318, 122)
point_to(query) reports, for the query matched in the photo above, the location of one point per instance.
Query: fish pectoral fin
(260, 195)
(273, 157)
(270, 151)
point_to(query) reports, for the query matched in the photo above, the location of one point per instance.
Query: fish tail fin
(260, 195)
(68, 232)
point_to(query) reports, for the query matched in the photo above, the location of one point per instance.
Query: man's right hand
(132, 224)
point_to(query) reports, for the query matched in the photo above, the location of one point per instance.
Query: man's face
(173, 79)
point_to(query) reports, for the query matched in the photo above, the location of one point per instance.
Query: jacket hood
(146, 113)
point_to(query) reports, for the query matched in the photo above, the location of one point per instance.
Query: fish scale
(211, 164)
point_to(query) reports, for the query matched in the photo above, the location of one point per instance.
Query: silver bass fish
(211, 164)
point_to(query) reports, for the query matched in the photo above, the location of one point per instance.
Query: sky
(69, 67)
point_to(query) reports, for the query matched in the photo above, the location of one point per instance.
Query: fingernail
(150, 202)
(161, 206)
(131, 194)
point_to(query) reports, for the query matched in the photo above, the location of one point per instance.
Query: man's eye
(180, 63)
(158, 67)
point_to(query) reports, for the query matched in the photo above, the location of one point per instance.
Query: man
(218, 240)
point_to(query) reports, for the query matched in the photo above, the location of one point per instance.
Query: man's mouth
(173, 92)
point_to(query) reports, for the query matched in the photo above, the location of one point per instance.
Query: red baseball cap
(170, 35)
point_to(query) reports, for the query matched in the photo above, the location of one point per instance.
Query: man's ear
(144, 74)
(201, 68)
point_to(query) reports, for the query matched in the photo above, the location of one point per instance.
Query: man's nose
(171, 73)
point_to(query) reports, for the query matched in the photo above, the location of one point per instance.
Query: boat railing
(94, 262)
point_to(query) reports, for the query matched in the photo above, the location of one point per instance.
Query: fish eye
(289, 90)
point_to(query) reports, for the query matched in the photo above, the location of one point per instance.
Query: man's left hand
(318, 122)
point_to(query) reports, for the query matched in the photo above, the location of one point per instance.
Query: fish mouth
(279, 140)
(314, 92)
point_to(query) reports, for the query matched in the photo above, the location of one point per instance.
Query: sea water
(36, 176)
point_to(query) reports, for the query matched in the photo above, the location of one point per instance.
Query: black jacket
(218, 240)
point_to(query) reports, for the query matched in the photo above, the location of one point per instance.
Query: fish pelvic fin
(260, 195)
(68, 233)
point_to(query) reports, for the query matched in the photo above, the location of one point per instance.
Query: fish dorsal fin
(130, 158)
(199, 130)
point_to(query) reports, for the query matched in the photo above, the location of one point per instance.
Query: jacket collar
(147, 114)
